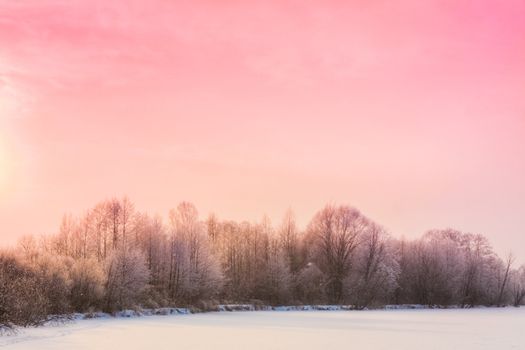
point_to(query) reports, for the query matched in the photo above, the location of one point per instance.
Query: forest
(115, 257)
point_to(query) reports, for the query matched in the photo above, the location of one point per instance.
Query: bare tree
(194, 271)
(504, 282)
(376, 272)
(126, 278)
(114, 209)
(518, 286)
(335, 233)
(114, 257)
(289, 240)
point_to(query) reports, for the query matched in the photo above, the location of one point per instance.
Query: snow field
(465, 329)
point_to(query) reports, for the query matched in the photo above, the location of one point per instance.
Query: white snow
(327, 330)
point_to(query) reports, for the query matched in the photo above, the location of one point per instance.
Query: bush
(23, 299)
(87, 285)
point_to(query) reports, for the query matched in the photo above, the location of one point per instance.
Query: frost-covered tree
(152, 240)
(423, 279)
(290, 241)
(478, 257)
(194, 270)
(309, 285)
(517, 286)
(126, 278)
(335, 233)
(115, 257)
(374, 277)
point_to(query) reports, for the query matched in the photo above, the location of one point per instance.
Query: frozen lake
(328, 330)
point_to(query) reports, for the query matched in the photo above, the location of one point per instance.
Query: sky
(411, 111)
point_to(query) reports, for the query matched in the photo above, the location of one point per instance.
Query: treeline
(115, 257)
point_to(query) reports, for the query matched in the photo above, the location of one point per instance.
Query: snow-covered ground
(327, 330)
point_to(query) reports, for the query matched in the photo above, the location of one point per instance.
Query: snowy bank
(172, 311)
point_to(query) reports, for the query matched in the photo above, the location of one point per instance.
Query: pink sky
(412, 111)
